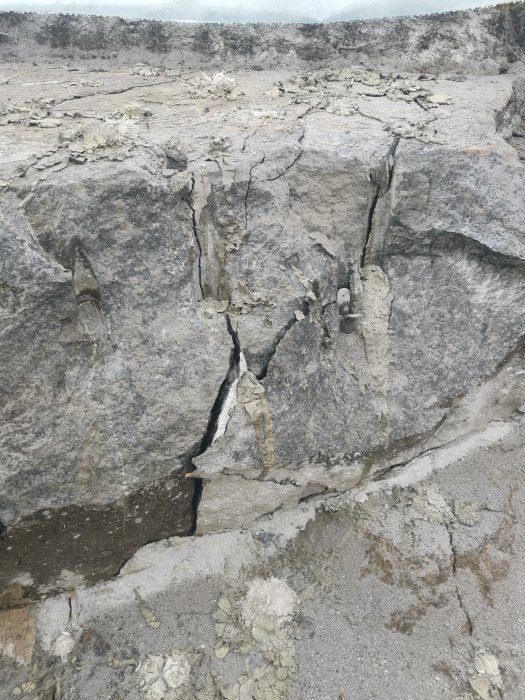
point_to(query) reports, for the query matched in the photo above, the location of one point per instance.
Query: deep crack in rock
(213, 422)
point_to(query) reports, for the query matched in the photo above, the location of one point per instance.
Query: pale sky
(316, 9)
(322, 8)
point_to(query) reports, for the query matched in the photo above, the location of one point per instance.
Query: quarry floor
(48, 113)
(403, 592)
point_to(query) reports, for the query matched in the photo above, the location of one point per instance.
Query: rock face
(223, 294)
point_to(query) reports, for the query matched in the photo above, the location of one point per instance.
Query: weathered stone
(223, 295)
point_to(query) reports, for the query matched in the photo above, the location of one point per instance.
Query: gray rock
(107, 371)
(223, 295)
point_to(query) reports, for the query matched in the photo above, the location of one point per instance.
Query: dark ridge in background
(481, 40)
(264, 10)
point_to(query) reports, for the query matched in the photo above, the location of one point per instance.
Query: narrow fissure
(370, 221)
(288, 167)
(189, 202)
(458, 594)
(198, 487)
(70, 609)
(213, 421)
(280, 335)
(115, 92)
(248, 190)
(391, 156)
(376, 194)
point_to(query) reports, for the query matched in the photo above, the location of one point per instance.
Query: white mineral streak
(63, 646)
(230, 401)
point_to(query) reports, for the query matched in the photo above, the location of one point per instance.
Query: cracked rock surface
(240, 294)
(224, 293)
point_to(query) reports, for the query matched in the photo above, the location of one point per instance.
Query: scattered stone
(97, 141)
(439, 99)
(485, 679)
(164, 676)
(219, 86)
(64, 645)
(259, 620)
(146, 613)
(145, 70)
(132, 111)
(466, 513)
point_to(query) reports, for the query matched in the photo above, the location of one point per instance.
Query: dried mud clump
(259, 621)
